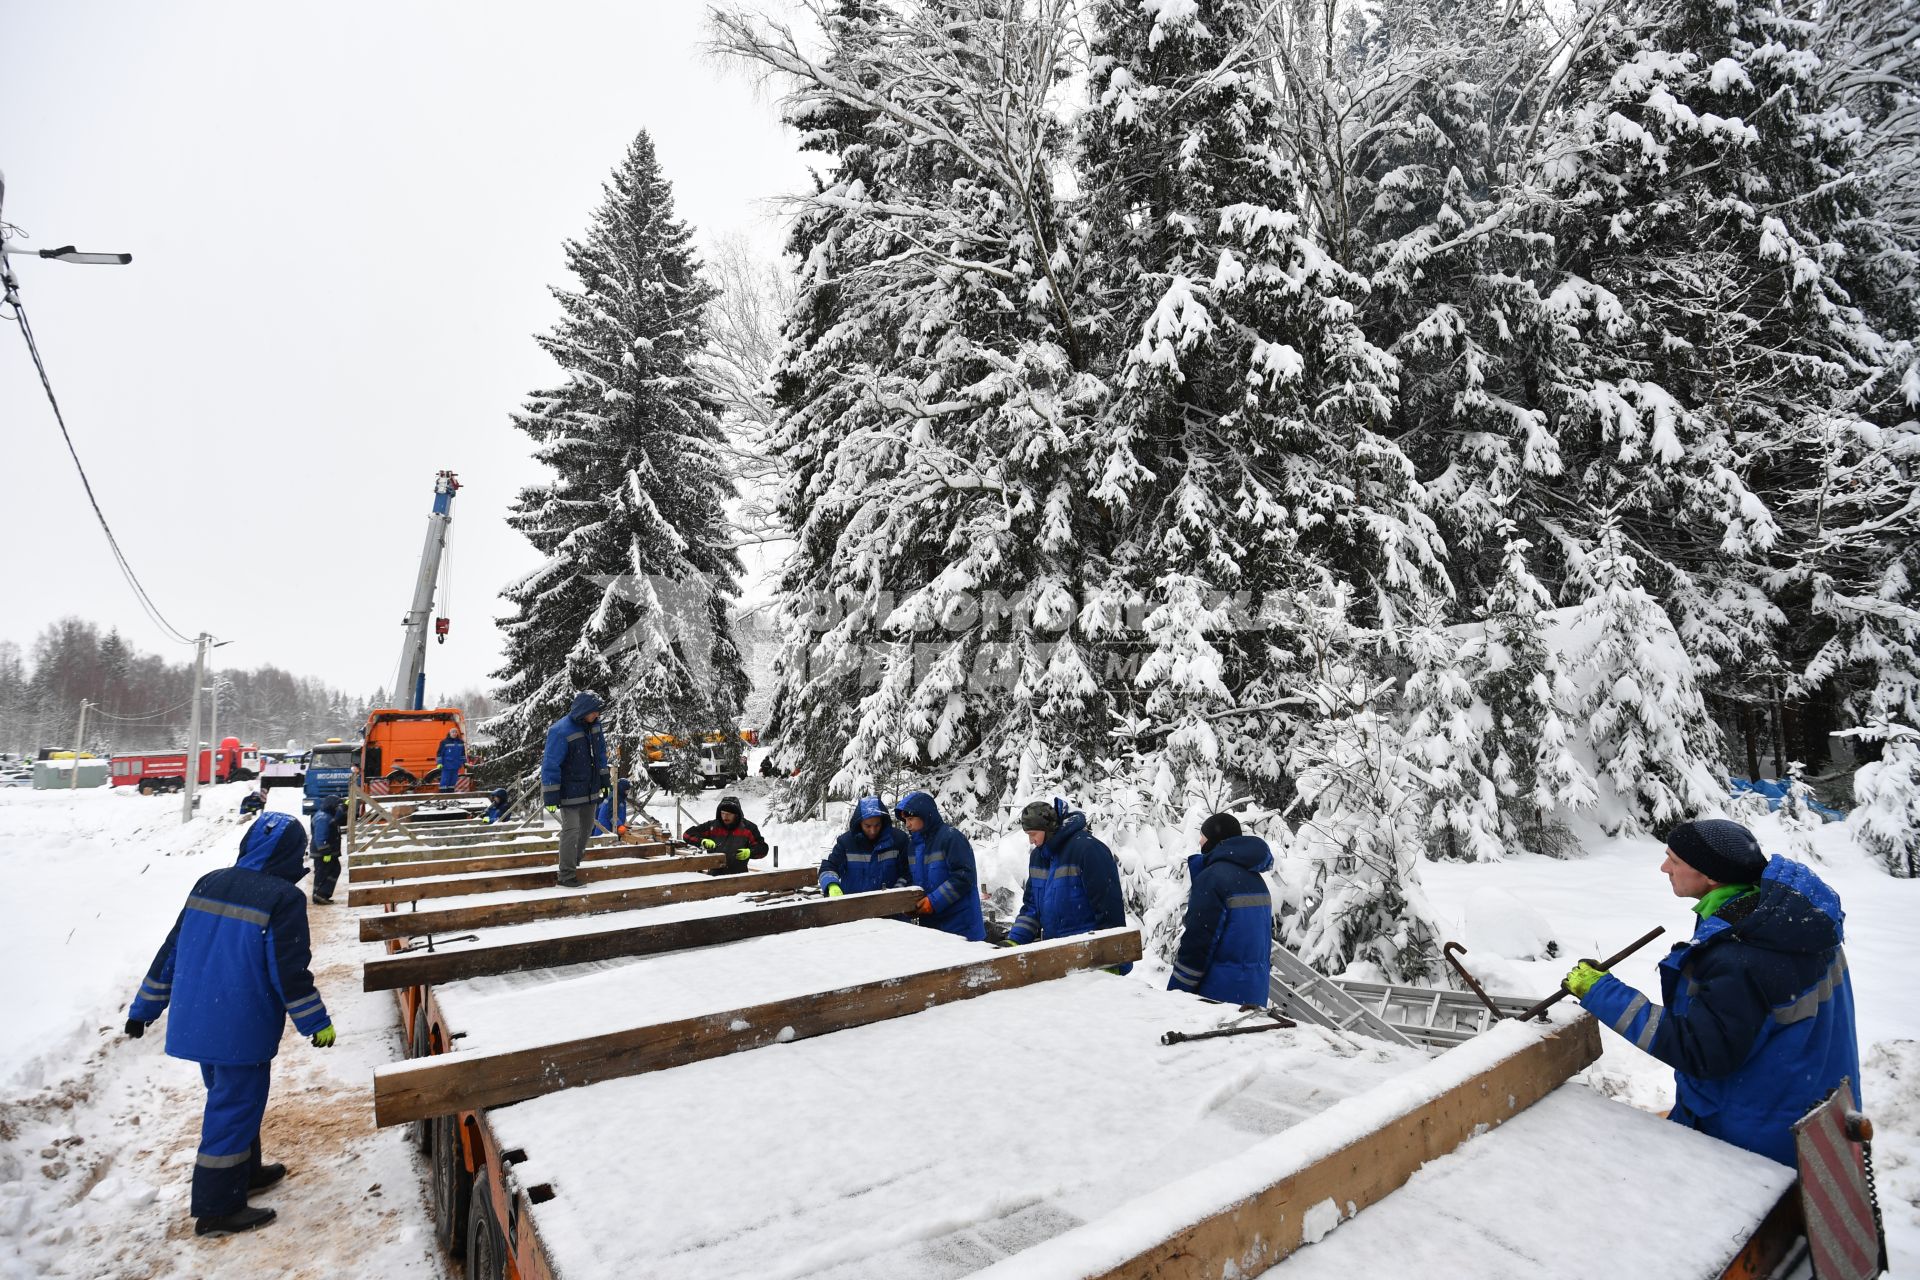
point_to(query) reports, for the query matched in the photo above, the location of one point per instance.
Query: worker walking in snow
(453, 758)
(1226, 946)
(1758, 1024)
(940, 861)
(612, 813)
(731, 834)
(870, 854)
(573, 775)
(328, 823)
(233, 969)
(497, 811)
(1073, 883)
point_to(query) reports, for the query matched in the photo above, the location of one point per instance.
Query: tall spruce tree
(632, 598)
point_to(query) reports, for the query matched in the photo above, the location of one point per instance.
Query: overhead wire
(11, 289)
(153, 715)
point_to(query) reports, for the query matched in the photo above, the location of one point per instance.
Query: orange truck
(401, 751)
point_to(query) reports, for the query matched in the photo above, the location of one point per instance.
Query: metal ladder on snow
(1436, 1018)
(1301, 993)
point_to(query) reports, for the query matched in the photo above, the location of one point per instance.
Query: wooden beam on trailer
(425, 968)
(417, 924)
(1246, 1231)
(451, 1082)
(506, 881)
(432, 867)
(417, 854)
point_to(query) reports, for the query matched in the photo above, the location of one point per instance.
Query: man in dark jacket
(1758, 1024)
(252, 803)
(1073, 883)
(327, 826)
(731, 834)
(870, 854)
(453, 758)
(940, 861)
(497, 811)
(1226, 949)
(573, 774)
(233, 969)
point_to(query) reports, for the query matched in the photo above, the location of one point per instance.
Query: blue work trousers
(229, 1137)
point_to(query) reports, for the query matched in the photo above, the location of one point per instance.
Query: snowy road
(97, 1132)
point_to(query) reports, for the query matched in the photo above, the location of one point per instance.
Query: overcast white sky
(343, 220)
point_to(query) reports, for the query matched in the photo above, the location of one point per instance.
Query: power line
(119, 557)
(155, 715)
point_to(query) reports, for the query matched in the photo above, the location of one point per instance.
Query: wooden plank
(547, 844)
(446, 1083)
(509, 881)
(358, 874)
(424, 968)
(415, 924)
(1438, 1107)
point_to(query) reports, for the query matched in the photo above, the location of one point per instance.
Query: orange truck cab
(402, 750)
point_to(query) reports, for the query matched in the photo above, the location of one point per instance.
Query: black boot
(323, 898)
(245, 1218)
(265, 1176)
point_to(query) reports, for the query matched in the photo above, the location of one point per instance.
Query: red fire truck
(157, 771)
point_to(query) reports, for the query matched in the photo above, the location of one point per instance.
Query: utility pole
(193, 728)
(79, 745)
(213, 730)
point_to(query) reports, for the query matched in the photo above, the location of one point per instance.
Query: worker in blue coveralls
(1073, 883)
(1226, 948)
(870, 854)
(233, 969)
(497, 811)
(328, 823)
(453, 758)
(611, 816)
(940, 861)
(1758, 1024)
(252, 803)
(573, 776)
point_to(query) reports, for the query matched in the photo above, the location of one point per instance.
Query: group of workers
(1757, 1020)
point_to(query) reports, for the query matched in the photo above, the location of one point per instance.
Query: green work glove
(1581, 977)
(324, 1037)
(744, 854)
(835, 891)
(708, 844)
(553, 808)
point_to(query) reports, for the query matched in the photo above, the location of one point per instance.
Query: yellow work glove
(835, 891)
(708, 844)
(1581, 977)
(324, 1037)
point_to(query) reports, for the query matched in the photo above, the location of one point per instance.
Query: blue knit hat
(1719, 850)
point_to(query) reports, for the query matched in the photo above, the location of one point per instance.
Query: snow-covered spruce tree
(1242, 456)
(1650, 729)
(1355, 896)
(1886, 792)
(1738, 400)
(1446, 735)
(1529, 699)
(935, 413)
(632, 599)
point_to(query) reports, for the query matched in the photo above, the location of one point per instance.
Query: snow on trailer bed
(930, 1145)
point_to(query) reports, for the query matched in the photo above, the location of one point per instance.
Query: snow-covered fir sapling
(1886, 792)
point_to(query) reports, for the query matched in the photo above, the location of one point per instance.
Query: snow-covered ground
(97, 1132)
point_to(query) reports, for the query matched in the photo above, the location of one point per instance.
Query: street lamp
(67, 253)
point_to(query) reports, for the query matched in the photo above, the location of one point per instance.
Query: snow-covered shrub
(1886, 792)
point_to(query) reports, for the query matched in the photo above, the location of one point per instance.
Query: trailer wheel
(486, 1242)
(419, 1046)
(146, 788)
(452, 1186)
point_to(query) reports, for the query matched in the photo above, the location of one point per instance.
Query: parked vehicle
(282, 769)
(153, 772)
(330, 770)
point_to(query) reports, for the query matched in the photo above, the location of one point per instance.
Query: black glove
(135, 1028)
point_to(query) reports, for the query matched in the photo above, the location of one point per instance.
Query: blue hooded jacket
(573, 768)
(612, 813)
(1226, 952)
(940, 861)
(1073, 885)
(326, 826)
(860, 865)
(1759, 1022)
(234, 968)
(501, 803)
(453, 757)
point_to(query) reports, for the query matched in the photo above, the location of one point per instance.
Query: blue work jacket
(1226, 949)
